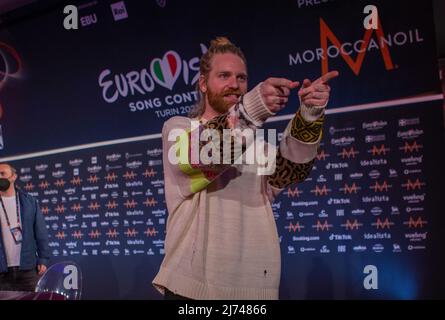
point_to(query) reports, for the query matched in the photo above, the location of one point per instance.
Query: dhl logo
(94, 234)
(60, 235)
(151, 232)
(44, 185)
(320, 191)
(130, 204)
(131, 233)
(411, 147)
(60, 183)
(150, 202)
(322, 155)
(45, 210)
(350, 189)
(293, 193)
(29, 186)
(377, 151)
(294, 227)
(111, 177)
(94, 206)
(76, 181)
(129, 175)
(379, 224)
(76, 207)
(77, 234)
(380, 187)
(415, 223)
(348, 153)
(93, 178)
(351, 225)
(112, 233)
(409, 185)
(149, 173)
(111, 205)
(322, 226)
(326, 33)
(60, 208)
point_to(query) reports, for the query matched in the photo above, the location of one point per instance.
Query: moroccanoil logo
(292, 193)
(418, 223)
(323, 191)
(332, 47)
(410, 148)
(413, 185)
(322, 226)
(326, 33)
(354, 225)
(377, 187)
(294, 227)
(350, 189)
(322, 155)
(379, 224)
(151, 232)
(348, 153)
(377, 151)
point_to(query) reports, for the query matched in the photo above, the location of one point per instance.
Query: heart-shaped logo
(166, 71)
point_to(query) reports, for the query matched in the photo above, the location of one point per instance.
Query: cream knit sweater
(221, 239)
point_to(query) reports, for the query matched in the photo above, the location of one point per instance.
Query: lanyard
(17, 207)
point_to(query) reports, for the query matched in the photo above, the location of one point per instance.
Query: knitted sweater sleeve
(297, 150)
(202, 152)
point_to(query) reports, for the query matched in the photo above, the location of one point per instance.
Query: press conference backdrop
(81, 113)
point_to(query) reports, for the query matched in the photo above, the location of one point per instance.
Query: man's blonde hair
(220, 45)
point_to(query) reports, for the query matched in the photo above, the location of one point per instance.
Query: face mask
(4, 184)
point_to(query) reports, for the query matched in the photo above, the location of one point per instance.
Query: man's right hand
(275, 92)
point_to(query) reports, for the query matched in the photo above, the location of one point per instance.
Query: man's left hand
(41, 268)
(316, 94)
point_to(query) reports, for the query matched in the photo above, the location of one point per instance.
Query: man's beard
(217, 102)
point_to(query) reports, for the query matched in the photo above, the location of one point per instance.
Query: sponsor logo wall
(369, 195)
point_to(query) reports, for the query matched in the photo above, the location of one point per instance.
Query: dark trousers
(18, 280)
